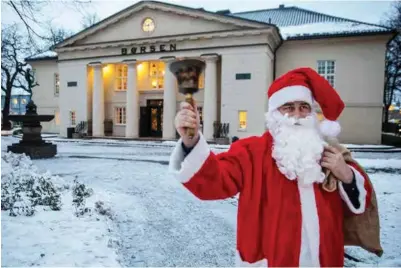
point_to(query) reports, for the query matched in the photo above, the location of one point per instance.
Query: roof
(294, 23)
(299, 23)
(16, 92)
(46, 55)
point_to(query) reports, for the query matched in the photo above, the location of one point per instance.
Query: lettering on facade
(148, 49)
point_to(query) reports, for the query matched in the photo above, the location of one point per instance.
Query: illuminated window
(15, 101)
(57, 117)
(72, 118)
(121, 77)
(56, 84)
(23, 101)
(326, 68)
(242, 119)
(120, 116)
(320, 116)
(156, 75)
(201, 82)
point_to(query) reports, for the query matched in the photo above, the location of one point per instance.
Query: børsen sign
(149, 49)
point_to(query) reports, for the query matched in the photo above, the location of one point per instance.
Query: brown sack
(361, 230)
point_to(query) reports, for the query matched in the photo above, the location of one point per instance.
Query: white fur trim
(289, 94)
(310, 239)
(240, 263)
(360, 184)
(330, 128)
(185, 168)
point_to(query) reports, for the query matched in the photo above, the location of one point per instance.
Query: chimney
(281, 6)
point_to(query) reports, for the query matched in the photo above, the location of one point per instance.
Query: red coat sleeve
(364, 187)
(209, 176)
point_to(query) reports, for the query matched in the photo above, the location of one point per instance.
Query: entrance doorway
(151, 120)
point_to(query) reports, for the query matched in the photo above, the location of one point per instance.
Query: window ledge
(241, 130)
(120, 125)
(116, 90)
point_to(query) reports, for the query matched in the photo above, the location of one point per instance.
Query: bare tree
(30, 15)
(89, 19)
(393, 61)
(13, 48)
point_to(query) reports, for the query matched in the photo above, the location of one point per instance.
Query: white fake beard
(297, 147)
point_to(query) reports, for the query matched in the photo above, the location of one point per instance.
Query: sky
(70, 18)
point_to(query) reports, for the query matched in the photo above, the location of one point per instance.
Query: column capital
(95, 64)
(210, 57)
(168, 59)
(130, 61)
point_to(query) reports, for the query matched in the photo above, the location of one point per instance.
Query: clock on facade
(148, 25)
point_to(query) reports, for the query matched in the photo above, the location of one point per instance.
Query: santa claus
(285, 217)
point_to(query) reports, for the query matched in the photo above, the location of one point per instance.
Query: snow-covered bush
(23, 187)
(102, 210)
(79, 194)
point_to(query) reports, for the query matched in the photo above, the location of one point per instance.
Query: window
(156, 74)
(56, 84)
(326, 68)
(120, 116)
(23, 101)
(121, 77)
(200, 111)
(242, 119)
(72, 118)
(57, 117)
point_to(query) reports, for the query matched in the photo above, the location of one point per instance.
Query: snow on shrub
(79, 194)
(23, 187)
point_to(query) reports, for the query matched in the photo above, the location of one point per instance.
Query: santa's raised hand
(334, 161)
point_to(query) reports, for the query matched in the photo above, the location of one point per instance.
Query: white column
(98, 102)
(169, 101)
(132, 107)
(210, 97)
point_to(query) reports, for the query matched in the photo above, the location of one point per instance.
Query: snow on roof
(16, 91)
(44, 55)
(327, 28)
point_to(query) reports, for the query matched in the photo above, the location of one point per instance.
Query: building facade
(115, 75)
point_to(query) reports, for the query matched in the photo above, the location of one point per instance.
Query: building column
(169, 101)
(98, 101)
(132, 107)
(210, 97)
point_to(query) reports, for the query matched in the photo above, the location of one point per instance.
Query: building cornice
(196, 14)
(270, 33)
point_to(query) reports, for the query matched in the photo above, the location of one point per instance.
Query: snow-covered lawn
(154, 221)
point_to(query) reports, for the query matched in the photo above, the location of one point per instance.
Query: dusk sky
(367, 11)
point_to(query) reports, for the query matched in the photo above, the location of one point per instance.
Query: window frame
(73, 119)
(56, 85)
(239, 120)
(326, 75)
(119, 80)
(123, 116)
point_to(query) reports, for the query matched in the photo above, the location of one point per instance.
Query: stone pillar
(210, 97)
(169, 101)
(98, 101)
(132, 107)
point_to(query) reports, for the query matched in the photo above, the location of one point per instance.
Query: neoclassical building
(115, 74)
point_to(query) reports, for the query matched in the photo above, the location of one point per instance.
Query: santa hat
(305, 84)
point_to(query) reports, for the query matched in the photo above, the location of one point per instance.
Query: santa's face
(297, 143)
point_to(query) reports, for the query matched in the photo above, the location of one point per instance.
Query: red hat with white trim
(305, 84)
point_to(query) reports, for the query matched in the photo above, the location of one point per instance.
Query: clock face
(148, 25)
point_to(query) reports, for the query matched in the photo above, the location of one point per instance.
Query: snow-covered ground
(155, 221)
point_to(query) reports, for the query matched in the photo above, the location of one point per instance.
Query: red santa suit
(280, 222)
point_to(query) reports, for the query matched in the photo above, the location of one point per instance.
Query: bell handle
(190, 131)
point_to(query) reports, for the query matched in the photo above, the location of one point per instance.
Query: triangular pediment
(167, 19)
